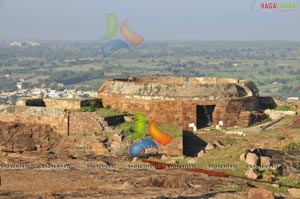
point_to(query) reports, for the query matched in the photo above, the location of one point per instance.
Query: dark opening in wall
(204, 115)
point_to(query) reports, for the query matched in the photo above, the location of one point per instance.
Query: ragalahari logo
(131, 38)
(276, 5)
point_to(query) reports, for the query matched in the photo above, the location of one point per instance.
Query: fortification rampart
(178, 103)
(62, 121)
(69, 104)
(57, 118)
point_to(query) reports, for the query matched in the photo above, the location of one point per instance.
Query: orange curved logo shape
(157, 135)
(130, 36)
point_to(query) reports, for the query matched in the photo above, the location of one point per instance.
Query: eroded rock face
(26, 137)
(79, 146)
(21, 138)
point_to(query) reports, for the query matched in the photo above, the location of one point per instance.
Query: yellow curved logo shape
(130, 36)
(157, 135)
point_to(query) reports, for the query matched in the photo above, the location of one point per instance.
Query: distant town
(56, 90)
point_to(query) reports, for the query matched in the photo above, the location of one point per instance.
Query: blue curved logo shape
(139, 146)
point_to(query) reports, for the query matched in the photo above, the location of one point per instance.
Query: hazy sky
(154, 19)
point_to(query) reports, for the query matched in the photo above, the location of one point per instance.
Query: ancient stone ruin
(189, 104)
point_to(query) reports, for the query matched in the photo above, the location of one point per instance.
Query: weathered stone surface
(252, 159)
(157, 97)
(276, 114)
(54, 117)
(86, 123)
(294, 192)
(201, 153)
(209, 146)
(259, 193)
(69, 104)
(21, 137)
(235, 133)
(252, 174)
(80, 146)
(265, 161)
(243, 156)
(192, 161)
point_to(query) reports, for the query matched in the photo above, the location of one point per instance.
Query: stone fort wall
(57, 118)
(180, 112)
(69, 104)
(62, 121)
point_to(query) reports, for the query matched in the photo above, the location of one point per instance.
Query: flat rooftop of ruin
(174, 87)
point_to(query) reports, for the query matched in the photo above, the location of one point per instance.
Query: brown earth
(37, 145)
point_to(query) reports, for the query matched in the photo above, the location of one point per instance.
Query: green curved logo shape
(112, 26)
(140, 126)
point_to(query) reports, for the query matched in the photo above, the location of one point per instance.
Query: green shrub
(91, 107)
(107, 106)
(292, 146)
(283, 108)
(232, 141)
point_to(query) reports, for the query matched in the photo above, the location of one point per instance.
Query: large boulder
(252, 159)
(294, 192)
(265, 161)
(259, 193)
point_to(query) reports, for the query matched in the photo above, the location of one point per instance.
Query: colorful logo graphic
(157, 135)
(144, 143)
(275, 5)
(112, 26)
(131, 38)
(139, 146)
(140, 126)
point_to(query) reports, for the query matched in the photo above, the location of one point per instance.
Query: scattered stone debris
(266, 161)
(218, 144)
(209, 146)
(253, 174)
(201, 153)
(252, 159)
(276, 114)
(240, 133)
(192, 161)
(259, 193)
(257, 158)
(164, 157)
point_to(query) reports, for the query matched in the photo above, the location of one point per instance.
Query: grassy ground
(105, 112)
